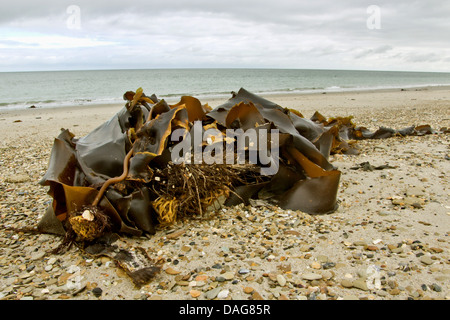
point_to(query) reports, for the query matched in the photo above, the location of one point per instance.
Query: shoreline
(223, 97)
(43, 123)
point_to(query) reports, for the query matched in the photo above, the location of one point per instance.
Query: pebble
(223, 294)
(281, 280)
(212, 294)
(195, 293)
(311, 276)
(97, 292)
(426, 260)
(361, 284)
(37, 255)
(347, 283)
(436, 287)
(172, 271)
(244, 271)
(248, 290)
(394, 292)
(257, 296)
(228, 276)
(360, 243)
(328, 265)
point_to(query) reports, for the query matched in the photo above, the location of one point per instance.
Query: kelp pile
(120, 178)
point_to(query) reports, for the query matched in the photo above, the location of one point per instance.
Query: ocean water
(63, 88)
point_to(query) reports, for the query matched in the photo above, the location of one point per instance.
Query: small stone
(327, 275)
(257, 296)
(426, 260)
(436, 287)
(212, 294)
(372, 248)
(315, 265)
(414, 191)
(281, 280)
(223, 294)
(195, 293)
(346, 283)
(37, 256)
(97, 291)
(328, 265)
(248, 290)
(88, 215)
(186, 248)
(397, 250)
(172, 271)
(243, 271)
(322, 258)
(360, 284)
(192, 283)
(228, 276)
(201, 277)
(394, 292)
(175, 234)
(311, 276)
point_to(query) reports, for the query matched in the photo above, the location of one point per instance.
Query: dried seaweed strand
(114, 180)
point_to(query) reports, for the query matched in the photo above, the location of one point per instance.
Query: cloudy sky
(320, 34)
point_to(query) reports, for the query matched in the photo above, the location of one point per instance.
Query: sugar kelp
(122, 177)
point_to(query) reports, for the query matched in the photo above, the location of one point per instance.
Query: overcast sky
(320, 34)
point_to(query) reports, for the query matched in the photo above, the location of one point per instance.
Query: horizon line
(224, 68)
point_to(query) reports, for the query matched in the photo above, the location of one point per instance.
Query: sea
(88, 87)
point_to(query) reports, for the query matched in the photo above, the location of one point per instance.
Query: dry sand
(389, 239)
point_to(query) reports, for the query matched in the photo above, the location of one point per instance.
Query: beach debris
(148, 166)
(134, 261)
(366, 166)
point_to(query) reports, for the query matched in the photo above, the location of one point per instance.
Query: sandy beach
(389, 239)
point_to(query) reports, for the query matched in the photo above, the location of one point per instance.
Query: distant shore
(45, 122)
(213, 99)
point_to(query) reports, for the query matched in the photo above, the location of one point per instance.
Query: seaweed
(123, 178)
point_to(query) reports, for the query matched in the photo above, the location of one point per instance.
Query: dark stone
(97, 291)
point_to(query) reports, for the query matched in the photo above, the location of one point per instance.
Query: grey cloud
(278, 32)
(372, 51)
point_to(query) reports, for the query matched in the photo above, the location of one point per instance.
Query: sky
(321, 34)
